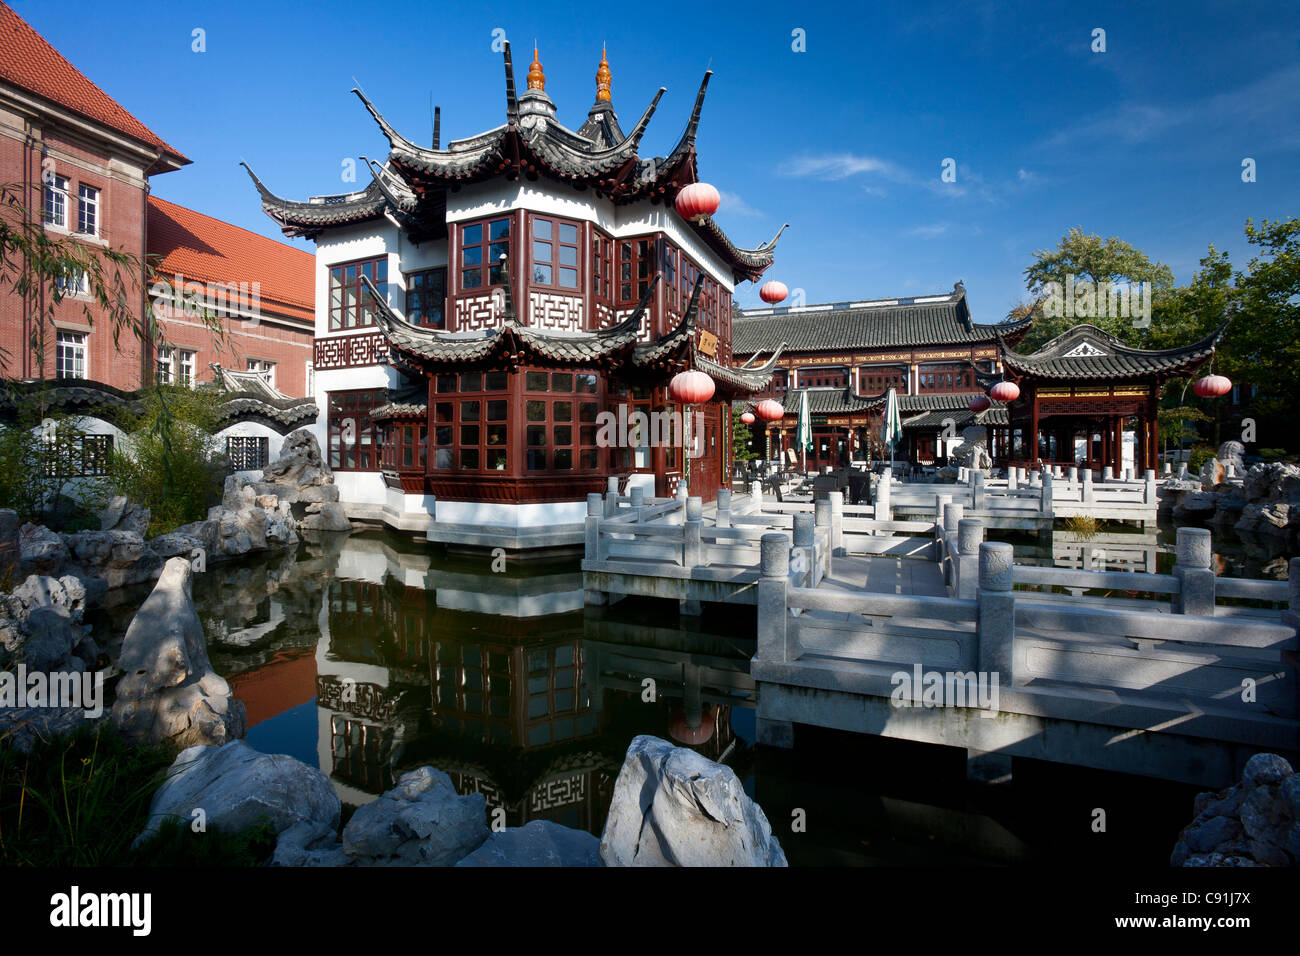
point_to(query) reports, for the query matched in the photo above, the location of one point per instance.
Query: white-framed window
(56, 202)
(166, 356)
(70, 357)
(176, 366)
(75, 282)
(185, 367)
(88, 210)
(265, 368)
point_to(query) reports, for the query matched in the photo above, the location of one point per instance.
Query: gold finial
(603, 78)
(536, 78)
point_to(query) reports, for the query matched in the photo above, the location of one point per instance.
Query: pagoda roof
(943, 319)
(1087, 352)
(412, 183)
(508, 340)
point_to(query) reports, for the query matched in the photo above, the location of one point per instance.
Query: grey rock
(422, 821)
(1213, 832)
(300, 464)
(318, 493)
(122, 514)
(673, 807)
(1265, 769)
(41, 551)
(325, 516)
(168, 690)
(537, 843)
(1196, 502)
(236, 786)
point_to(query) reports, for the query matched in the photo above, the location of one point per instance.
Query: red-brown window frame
(554, 243)
(360, 303)
(488, 263)
(368, 458)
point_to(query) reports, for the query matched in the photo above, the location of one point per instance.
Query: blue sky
(844, 141)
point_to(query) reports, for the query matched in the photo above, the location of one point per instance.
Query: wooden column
(1140, 452)
(1033, 429)
(1117, 462)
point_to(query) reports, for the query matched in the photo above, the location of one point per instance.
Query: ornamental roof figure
(531, 143)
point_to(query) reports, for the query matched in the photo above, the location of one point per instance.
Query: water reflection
(367, 655)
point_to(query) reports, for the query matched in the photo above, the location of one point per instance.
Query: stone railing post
(996, 614)
(805, 544)
(636, 498)
(836, 499)
(940, 502)
(1013, 478)
(756, 495)
(1086, 495)
(724, 508)
(1182, 469)
(1149, 491)
(961, 474)
(1047, 494)
(977, 490)
(822, 518)
(1107, 474)
(592, 550)
(952, 515)
(970, 535)
(1194, 550)
(691, 531)
(883, 508)
(1035, 478)
(1292, 614)
(773, 615)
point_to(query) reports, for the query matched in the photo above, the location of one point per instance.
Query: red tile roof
(203, 249)
(31, 63)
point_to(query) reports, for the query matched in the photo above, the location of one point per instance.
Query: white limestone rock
(673, 807)
(168, 690)
(537, 843)
(420, 822)
(236, 786)
(40, 550)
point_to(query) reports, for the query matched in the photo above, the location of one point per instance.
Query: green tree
(171, 464)
(1092, 259)
(741, 436)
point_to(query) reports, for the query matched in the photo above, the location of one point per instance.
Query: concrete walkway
(885, 575)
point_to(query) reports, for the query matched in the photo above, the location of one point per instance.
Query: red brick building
(260, 290)
(81, 166)
(82, 163)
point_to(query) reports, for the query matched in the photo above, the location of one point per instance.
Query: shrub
(1200, 454)
(171, 464)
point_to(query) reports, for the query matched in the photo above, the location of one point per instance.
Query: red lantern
(747, 417)
(698, 201)
(979, 403)
(773, 292)
(690, 388)
(769, 410)
(1005, 392)
(1212, 386)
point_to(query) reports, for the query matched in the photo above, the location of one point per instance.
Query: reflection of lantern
(773, 292)
(1212, 386)
(1005, 392)
(698, 201)
(979, 403)
(747, 417)
(690, 388)
(682, 733)
(769, 410)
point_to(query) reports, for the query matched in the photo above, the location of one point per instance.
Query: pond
(368, 655)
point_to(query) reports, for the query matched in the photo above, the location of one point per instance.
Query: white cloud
(930, 232)
(733, 204)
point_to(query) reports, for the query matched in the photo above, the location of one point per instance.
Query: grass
(80, 800)
(1084, 527)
